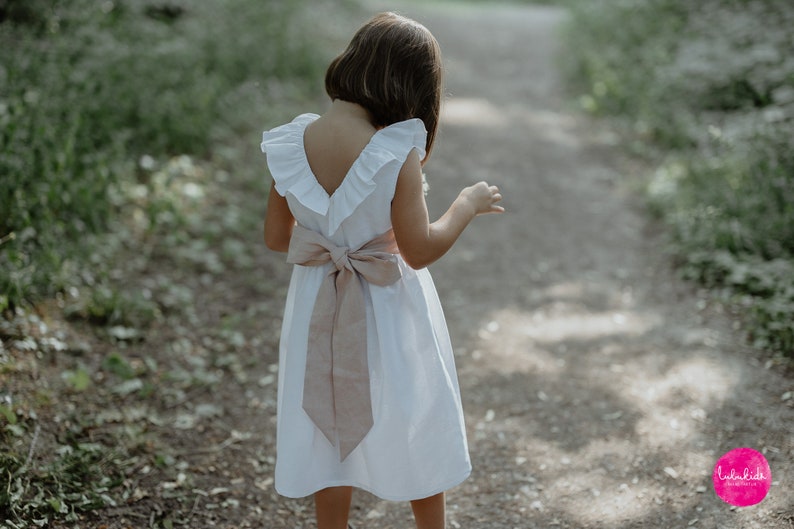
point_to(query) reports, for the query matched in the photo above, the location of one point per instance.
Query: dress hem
(372, 490)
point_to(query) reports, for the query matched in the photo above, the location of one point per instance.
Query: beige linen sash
(336, 391)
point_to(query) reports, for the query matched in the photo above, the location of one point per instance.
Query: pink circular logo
(742, 477)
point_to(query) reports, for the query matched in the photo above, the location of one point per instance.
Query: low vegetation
(95, 92)
(120, 126)
(707, 89)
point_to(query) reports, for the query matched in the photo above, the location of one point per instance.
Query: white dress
(417, 446)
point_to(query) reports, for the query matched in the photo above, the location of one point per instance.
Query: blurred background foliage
(710, 86)
(120, 124)
(88, 89)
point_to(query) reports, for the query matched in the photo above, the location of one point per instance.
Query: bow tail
(318, 394)
(352, 398)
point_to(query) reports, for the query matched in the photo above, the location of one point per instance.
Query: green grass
(710, 86)
(115, 118)
(92, 87)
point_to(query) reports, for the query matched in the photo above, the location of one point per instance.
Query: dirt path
(599, 389)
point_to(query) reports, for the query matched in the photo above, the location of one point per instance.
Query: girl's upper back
(334, 141)
(339, 175)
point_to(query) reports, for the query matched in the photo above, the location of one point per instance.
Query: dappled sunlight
(556, 327)
(557, 127)
(705, 381)
(605, 422)
(480, 112)
(469, 111)
(676, 402)
(514, 352)
(563, 317)
(601, 482)
(609, 501)
(665, 427)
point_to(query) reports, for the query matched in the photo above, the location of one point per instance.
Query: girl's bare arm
(279, 222)
(420, 241)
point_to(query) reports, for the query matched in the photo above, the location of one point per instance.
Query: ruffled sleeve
(402, 137)
(286, 159)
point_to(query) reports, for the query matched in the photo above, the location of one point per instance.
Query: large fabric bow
(336, 391)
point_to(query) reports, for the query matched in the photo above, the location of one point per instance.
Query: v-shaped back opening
(349, 169)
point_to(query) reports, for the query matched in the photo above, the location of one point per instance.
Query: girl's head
(392, 67)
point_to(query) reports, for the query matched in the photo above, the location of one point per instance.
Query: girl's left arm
(279, 221)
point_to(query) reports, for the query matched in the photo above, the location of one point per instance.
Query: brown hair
(392, 67)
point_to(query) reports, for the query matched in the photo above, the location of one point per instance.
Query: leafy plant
(79, 479)
(109, 112)
(77, 379)
(87, 88)
(700, 80)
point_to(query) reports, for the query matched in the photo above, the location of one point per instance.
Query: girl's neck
(350, 110)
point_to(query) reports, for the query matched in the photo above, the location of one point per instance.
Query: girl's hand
(420, 241)
(482, 198)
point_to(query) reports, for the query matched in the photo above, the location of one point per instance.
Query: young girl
(368, 395)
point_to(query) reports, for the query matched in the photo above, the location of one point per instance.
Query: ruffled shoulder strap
(286, 159)
(389, 145)
(402, 137)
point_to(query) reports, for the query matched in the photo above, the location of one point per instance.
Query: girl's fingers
(496, 196)
(493, 196)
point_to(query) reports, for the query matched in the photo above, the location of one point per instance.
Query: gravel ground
(599, 389)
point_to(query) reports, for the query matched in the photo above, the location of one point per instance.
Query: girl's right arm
(420, 241)
(279, 221)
